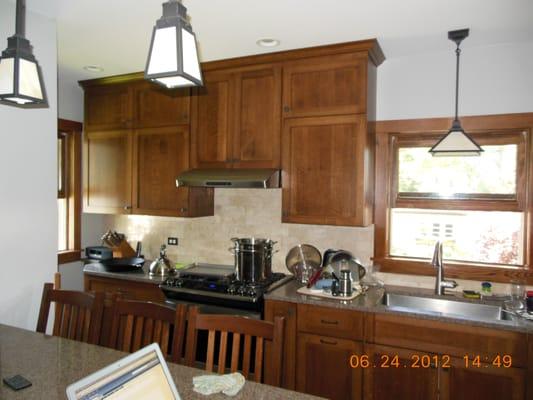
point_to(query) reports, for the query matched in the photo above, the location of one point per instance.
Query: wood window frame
(490, 129)
(71, 131)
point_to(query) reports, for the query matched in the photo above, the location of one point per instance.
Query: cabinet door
(107, 172)
(213, 123)
(323, 367)
(159, 156)
(393, 374)
(322, 174)
(288, 312)
(486, 381)
(330, 85)
(257, 133)
(108, 107)
(155, 106)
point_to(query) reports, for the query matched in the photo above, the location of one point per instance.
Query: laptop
(141, 375)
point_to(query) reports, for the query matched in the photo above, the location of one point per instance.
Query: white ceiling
(114, 34)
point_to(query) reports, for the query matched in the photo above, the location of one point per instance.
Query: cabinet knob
(330, 342)
(183, 210)
(127, 208)
(286, 109)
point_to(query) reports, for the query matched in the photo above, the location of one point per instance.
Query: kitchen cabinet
(108, 107)
(331, 85)
(391, 373)
(159, 156)
(288, 312)
(133, 170)
(323, 365)
(126, 289)
(238, 119)
(107, 171)
(155, 106)
(327, 171)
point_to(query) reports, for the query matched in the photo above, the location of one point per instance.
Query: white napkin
(229, 384)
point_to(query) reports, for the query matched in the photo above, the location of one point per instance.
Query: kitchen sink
(446, 306)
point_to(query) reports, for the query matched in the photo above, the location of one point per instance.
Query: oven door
(213, 309)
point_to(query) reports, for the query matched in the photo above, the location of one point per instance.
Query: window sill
(455, 270)
(68, 256)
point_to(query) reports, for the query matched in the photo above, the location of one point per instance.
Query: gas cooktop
(216, 284)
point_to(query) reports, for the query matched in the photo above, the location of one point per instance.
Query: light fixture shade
(21, 79)
(456, 143)
(173, 58)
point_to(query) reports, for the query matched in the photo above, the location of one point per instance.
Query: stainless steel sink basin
(446, 306)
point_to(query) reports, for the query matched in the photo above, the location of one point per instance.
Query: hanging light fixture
(173, 58)
(456, 142)
(21, 80)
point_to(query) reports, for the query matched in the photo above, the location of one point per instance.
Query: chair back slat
(235, 351)
(246, 356)
(77, 316)
(222, 352)
(137, 324)
(258, 368)
(253, 331)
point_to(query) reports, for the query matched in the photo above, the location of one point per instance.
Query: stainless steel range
(216, 286)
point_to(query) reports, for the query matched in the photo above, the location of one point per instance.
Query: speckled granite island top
(371, 301)
(141, 275)
(52, 363)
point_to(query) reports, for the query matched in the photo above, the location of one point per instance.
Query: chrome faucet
(440, 283)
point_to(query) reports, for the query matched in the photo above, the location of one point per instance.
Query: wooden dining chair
(242, 330)
(138, 323)
(78, 315)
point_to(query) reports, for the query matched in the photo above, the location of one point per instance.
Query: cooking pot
(253, 258)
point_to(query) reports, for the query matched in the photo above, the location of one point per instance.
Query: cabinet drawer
(446, 338)
(331, 322)
(127, 289)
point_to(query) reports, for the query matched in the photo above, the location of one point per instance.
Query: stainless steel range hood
(230, 178)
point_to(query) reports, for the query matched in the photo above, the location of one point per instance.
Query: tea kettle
(162, 265)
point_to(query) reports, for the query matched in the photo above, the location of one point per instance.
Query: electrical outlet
(172, 241)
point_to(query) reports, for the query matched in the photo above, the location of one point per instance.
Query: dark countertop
(53, 363)
(141, 275)
(371, 302)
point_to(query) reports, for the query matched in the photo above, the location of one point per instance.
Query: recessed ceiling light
(93, 68)
(268, 42)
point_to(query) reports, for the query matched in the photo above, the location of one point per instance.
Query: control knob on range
(251, 292)
(177, 282)
(232, 289)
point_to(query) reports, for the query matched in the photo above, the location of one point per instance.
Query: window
(477, 206)
(69, 190)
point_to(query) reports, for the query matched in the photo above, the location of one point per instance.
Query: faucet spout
(440, 283)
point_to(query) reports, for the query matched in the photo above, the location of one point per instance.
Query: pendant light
(21, 79)
(173, 58)
(456, 142)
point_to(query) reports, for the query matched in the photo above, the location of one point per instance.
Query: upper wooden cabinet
(238, 119)
(159, 156)
(330, 85)
(326, 165)
(107, 172)
(108, 107)
(155, 106)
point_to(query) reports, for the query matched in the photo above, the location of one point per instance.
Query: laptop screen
(142, 378)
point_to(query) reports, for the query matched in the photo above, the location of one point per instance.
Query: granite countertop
(142, 275)
(371, 301)
(53, 363)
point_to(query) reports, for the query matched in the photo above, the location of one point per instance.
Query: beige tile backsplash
(254, 213)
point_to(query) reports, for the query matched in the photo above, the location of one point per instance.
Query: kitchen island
(53, 363)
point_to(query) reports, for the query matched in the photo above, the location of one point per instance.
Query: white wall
(494, 79)
(28, 205)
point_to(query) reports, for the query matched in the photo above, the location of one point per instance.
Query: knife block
(123, 250)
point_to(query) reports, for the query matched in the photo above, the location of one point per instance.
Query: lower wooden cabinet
(484, 381)
(323, 367)
(395, 373)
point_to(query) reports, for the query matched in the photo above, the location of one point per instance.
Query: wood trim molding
(371, 46)
(74, 147)
(385, 131)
